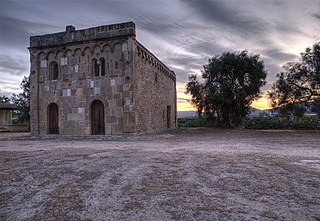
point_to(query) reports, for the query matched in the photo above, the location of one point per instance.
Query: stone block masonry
(98, 81)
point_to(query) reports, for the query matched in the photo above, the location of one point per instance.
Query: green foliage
(22, 100)
(299, 83)
(262, 121)
(195, 88)
(280, 122)
(195, 122)
(4, 99)
(292, 109)
(316, 107)
(231, 82)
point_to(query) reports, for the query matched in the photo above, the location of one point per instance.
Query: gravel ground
(194, 174)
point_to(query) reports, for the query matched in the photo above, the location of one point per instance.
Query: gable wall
(154, 91)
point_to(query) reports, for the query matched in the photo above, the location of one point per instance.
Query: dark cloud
(15, 32)
(183, 34)
(287, 29)
(13, 65)
(218, 12)
(157, 24)
(316, 15)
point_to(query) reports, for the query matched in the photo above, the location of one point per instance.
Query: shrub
(280, 122)
(195, 122)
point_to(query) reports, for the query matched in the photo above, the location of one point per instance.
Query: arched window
(95, 67)
(53, 71)
(102, 66)
(98, 67)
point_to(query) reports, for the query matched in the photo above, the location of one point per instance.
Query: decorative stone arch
(42, 55)
(77, 52)
(96, 49)
(87, 51)
(116, 44)
(53, 118)
(59, 54)
(106, 48)
(68, 53)
(97, 118)
(34, 53)
(139, 51)
(50, 55)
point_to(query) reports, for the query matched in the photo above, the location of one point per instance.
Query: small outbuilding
(6, 110)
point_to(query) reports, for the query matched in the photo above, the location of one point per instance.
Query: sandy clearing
(194, 174)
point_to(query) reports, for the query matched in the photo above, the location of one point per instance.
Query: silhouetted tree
(231, 82)
(299, 83)
(4, 99)
(22, 100)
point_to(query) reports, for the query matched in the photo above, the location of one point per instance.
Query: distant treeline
(262, 121)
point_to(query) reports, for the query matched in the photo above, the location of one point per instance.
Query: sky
(183, 34)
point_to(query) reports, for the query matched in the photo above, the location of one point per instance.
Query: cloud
(157, 24)
(183, 34)
(15, 32)
(10, 65)
(218, 12)
(182, 100)
(316, 15)
(7, 92)
(276, 54)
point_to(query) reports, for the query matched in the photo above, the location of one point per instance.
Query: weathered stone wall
(154, 90)
(121, 88)
(73, 36)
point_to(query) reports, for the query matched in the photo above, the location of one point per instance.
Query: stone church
(98, 81)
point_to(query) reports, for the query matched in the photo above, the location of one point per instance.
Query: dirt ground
(194, 174)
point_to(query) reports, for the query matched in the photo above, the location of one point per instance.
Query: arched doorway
(53, 118)
(97, 118)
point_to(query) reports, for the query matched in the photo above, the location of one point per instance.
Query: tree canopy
(4, 99)
(22, 100)
(231, 81)
(299, 84)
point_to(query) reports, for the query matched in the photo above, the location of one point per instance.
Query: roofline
(144, 48)
(8, 106)
(71, 35)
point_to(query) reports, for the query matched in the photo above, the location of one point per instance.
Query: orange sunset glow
(261, 104)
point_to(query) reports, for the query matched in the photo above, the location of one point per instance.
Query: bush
(306, 123)
(195, 122)
(279, 122)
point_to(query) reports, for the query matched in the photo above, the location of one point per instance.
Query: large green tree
(299, 84)
(22, 100)
(231, 81)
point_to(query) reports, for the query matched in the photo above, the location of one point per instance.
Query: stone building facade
(100, 81)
